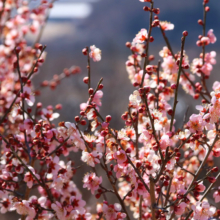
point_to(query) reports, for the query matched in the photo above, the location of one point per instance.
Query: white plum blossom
(91, 158)
(95, 53)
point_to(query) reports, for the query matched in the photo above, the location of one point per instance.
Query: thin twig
(177, 83)
(146, 61)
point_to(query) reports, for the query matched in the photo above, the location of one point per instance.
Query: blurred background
(108, 24)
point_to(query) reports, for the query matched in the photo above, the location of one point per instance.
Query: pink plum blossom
(195, 123)
(180, 209)
(169, 65)
(27, 95)
(92, 182)
(24, 208)
(49, 114)
(205, 40)
(111, 211)
(166, 26)
(91, 158)
(203, 211)
(29, 178)
(60, 211)
(97, 97)
(141, 37)
(120, 156)
(216, 195)
(211, 36)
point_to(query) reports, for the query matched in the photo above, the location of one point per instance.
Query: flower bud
(200, 22)
(155, 23)
(138, 164)
(199, 43)
(91, 91)
(124, 117)
(104, 133)
(158, 189)
(185, 33)
(97, 196)
(128, 44)
(166, 183)
(85, 51)
(207, 8)
(151, 58)
(170, 112)
(39, 46)
(83, 122)
(214, 169)
(58, 107)
(77, 118)
(140, 110)
(82, 113)
(173, 86)
(196, 96)
(151, 39)
(135, 84)
(108, 118)
(146, 8)
(156, 11)
(111, 166)
(100, 86)
(86, 80)
(17, 50)
(128, 151)
(128, 122)
(211, 179)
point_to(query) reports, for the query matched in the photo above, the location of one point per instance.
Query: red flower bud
(166, 183)
(97, 196)
(156, 10)
(173, 86)
(207, 8)
(200, 22)
(151, 57)
(108, 118)
(196, 96)
(85, 51)
(86, 80)
(214, 169)
(146, 8)
(211, 179)
(185, 33)
(77, 118)
(151, 39)
(104, 133)
(91, 91)
(83, 122)
(17, 50)
(128, 151)
(101, 86)
(170, 112)
(128, 44)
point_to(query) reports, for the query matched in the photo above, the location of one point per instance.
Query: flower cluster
(153, 167)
